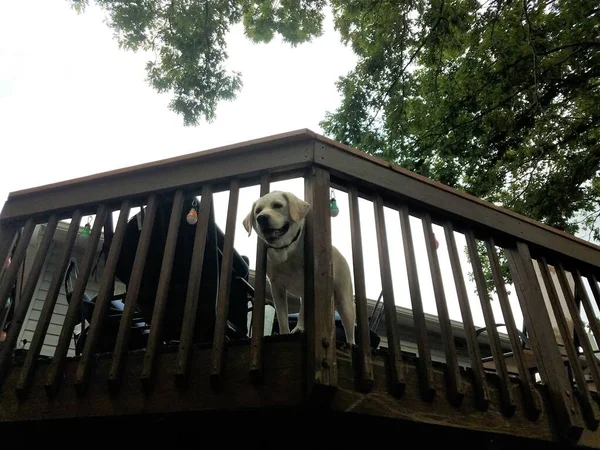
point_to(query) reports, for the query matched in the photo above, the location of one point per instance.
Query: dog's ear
(248, 220)
(298, 208)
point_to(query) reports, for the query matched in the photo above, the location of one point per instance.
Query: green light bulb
(334, 208)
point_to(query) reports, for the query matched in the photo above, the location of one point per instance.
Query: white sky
(72, 104)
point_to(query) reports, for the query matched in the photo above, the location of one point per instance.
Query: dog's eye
(257, 211)
(277, 205)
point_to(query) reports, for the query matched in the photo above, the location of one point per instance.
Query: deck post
(322, 371)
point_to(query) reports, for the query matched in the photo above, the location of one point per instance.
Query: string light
(333, 205)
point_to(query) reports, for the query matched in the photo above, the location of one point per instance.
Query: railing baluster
(578, 325)
(543, 340)
(258, 306)
(455, 388)
(193, 289)
(595, 289)
(480, 384)
(55, 371)
(322, 370)
(425, 371)
(508, 403)
(162, 292)
(39, 334)
(218, 355)
(360, 295)
(569, 344)
(389, 304)
(11, 273)
(21, 310)
(103, 299)
(8, 236)
(587, 305)
(530, 396)
(139, 263)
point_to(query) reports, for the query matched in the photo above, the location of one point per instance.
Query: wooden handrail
(286, 152)
(375, 176)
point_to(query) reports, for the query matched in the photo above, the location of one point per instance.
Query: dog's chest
(288, 273)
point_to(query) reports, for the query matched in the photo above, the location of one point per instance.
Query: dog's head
(276, 217)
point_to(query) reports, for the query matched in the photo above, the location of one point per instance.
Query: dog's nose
(263, 220)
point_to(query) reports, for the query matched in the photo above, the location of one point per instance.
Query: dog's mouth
(272, 234)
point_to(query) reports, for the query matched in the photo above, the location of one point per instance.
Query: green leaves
(486, 266)
(188, 39)
(297, 21)
(500, 99)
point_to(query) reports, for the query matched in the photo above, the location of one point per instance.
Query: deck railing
(564, 362)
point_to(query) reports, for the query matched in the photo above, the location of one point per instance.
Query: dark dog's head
(276, 217)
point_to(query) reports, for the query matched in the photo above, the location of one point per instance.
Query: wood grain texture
(8, 346)
(133, 288)
(10, 275)
(574, 312)
(595, 288)
(258, 304)
(396, 364)
(162, 292)
(181, 172)
(427, 387)
(360, 295)
(282, 386)
(440, 412)
(55, 371)
(455, 387)
(28, 369)
(530, 395)
(582, 295)
(193, 290)
(569, 344)
(543, 341)
(103, 299)
(376, 175)
(481, 389)
(318, 289)
(225, 278)
(490, 323)
(8, 236)
(283, 380)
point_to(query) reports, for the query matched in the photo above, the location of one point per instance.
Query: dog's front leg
(281, 308)
(299, 328)
(346, 308)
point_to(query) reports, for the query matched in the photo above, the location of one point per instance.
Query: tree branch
(382, 98)
(535, 57)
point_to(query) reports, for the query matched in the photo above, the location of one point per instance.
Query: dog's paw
(298, 329)
(344, 346)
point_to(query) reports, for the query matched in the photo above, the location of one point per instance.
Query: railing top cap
(281, 139)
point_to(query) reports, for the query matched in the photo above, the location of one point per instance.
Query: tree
(188, 39)
(500, 98)
(497, 98)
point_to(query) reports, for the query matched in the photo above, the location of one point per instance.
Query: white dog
(278, 218)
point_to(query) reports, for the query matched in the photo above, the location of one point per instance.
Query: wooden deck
(282, 387)
(279, 401)
(534, 392)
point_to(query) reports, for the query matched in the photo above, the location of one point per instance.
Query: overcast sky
(72, 104)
